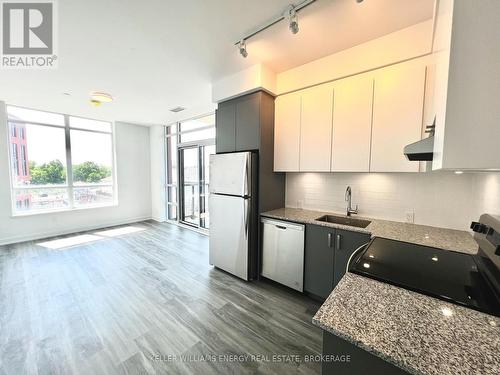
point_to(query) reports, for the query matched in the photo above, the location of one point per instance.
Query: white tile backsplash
(440, 199)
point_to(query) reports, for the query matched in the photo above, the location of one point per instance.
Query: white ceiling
(157, 54)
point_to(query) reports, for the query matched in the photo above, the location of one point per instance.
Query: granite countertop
(420, 334)
(448, 239)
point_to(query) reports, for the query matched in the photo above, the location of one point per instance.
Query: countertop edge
(442, 238)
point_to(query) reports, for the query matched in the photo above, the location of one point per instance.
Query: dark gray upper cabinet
(327, 251)
(225, 120)
(346, 242)
(243, 123)
(319, 260)
(248, 123)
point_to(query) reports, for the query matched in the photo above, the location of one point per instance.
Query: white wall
(134, 191)
(441, 199)
(157, 146)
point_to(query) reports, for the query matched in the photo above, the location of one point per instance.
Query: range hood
(422, 150)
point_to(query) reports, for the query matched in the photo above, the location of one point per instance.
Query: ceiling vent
(177, 109)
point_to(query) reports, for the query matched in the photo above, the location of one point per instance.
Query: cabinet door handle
(338, 240)
(329, 239)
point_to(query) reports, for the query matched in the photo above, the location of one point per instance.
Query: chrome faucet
(349, 209)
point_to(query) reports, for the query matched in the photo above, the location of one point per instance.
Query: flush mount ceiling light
(97, 98)
(242, 46)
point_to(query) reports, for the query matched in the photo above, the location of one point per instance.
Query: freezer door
(231, 174)
(229, 233)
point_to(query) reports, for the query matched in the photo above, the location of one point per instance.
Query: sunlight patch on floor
(70, 241)
(88, 238)
(119, 231)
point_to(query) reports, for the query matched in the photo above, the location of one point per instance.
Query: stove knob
(478, 227)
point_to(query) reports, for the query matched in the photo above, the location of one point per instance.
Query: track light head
(293, 20)
(242, 47)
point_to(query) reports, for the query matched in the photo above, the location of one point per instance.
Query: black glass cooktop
(448, 275)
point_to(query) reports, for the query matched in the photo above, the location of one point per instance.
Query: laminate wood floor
(145, 303)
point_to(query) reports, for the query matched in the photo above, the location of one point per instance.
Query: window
(59, 162)
(189, 145)
(92, 161)
(197, 129)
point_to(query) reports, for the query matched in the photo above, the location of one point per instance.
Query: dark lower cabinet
(346, 242)
(318, 260)
(327, 251)
(348, 359)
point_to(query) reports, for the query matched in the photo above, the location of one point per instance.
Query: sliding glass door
(195, 181)
(190, 185)
(189, 145)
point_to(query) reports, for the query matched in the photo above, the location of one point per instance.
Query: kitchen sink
(359, 223)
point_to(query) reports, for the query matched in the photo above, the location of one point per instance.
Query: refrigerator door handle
(247, 217)
(246, 182)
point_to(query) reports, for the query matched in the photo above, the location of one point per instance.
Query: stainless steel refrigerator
(233, 213)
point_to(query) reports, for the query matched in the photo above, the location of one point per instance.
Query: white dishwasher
(283, 252)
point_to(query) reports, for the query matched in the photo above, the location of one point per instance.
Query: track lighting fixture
(293, 20)
(290, 15)
(243, 48)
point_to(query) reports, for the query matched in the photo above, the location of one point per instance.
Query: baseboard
(48, 234)
(159, 219)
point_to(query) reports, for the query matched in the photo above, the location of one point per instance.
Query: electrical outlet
(410, 217)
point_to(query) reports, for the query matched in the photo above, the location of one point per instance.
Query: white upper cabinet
(357, 124)
(397, 116)
(316, 129)
(352, 124)
(287, 132)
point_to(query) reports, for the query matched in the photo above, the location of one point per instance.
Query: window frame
(69, 186)
(169, 171)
